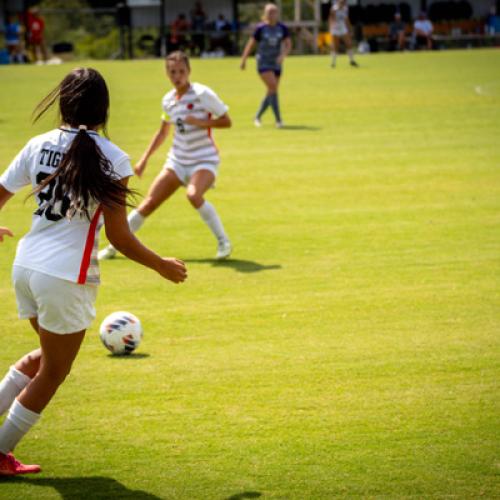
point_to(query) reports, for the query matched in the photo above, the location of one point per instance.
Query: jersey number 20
(46, 196)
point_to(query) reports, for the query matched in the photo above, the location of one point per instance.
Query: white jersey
(55, 245)
(192, 145)
(339, 25)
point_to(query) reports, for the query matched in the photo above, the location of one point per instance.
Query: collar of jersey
(177, 98)
(75, 131)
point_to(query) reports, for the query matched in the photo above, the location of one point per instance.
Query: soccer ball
(121, 332)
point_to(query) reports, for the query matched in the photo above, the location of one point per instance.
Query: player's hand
(280, 60)
(173, 270)
(191, 120)
(243, 64)
(5, 232)
(139, 167)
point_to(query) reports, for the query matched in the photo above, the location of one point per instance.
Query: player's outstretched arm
(4, 197)
(156, 142)
(120, 236)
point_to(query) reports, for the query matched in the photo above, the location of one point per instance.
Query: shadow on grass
(84, 488)
(134, 355)
(300, 127)
(245, 494)
(241, 266)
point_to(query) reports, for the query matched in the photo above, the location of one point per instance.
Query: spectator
(220, 38)
(397, 38)
(178, 30)
(422, 32)
(198, 25)
(13, 31)
(492, 26)
(36, 41)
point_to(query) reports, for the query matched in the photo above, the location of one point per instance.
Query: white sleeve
(122, 168)
(17, 174)
(212, 103)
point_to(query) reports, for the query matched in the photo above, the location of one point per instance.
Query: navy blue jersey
(269, 39)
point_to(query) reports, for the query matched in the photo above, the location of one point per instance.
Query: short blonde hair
(178, 56)
(267, 8)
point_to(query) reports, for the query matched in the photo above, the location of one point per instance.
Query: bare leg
(30, 363)
(58, 354)
(199, 184)
(164, 186)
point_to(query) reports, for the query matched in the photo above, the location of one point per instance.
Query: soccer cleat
(354, 64)
(224, 249)
(280, 124)
(9, 466)
(107, 253)
(257, 123)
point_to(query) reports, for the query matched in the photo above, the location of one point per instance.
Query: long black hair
(85, 176)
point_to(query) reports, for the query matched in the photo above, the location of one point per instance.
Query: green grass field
(350, 348)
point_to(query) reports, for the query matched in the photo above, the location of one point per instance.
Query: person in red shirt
(36, 28)
(178, 31)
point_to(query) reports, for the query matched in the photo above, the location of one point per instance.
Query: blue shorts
(275, 70)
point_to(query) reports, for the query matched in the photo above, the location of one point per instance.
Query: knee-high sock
(18, 422)
(12, 384)
(135, 221)
(263, 106)
(350, 53)
(212, 220)
(273, 98)
(334, 57)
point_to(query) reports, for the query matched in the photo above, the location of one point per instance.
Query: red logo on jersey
(190, 106)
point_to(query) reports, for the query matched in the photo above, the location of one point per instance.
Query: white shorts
(61, 306)
(340, 31)
(184, 172)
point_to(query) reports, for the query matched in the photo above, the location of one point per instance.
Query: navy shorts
(275, 70)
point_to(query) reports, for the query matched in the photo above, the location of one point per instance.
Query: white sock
(12, 384)
(135, 221)
(209, 215)
(350, 53)
(18, 422)
(334, 57)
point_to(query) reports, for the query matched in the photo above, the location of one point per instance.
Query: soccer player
(193, 110)
(273, 44)
(340, 29)
(77, 176)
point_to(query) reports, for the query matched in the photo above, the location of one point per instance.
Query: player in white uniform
(193, 109)
(78, 179)
(340, 29)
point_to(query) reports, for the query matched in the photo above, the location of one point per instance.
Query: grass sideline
(350, 348)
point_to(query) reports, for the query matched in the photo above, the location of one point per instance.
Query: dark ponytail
(85, 176)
